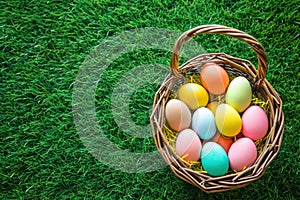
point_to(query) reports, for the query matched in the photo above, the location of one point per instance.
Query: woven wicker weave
(260, 85)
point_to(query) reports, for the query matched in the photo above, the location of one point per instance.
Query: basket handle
(219, 29)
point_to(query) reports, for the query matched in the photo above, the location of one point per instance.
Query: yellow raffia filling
(263, 104)
(195, 78)
(171, 135)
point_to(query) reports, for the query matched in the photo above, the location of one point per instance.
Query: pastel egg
(228, 120)
(203, 122)
(193, 95)
(212, 106)
(188, 145)
(242, 154)
(255, 123)
(178, 115)
(239, 93)
(223, 141)
(214, 159)
(214, 78)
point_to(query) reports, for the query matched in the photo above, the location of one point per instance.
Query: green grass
(43, 45)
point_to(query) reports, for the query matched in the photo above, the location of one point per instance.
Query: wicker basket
(239, 67)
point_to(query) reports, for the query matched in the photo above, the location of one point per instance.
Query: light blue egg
(203, 123)
(214, 159)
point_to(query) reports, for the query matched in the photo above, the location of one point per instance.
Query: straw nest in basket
(263, 95)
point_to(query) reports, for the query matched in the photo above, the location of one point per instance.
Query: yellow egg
(193, 95)
(228, 120)
(212, 106)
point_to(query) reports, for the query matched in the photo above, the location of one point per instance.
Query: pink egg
(242, 153)
(255, 123)
(188, 145)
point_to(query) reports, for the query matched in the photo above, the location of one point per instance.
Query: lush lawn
(43, 45)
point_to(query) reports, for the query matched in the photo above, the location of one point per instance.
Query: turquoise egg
(214, 159)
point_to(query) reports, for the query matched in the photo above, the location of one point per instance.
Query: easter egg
(178, 115)
(214, 159)
(212, 106)
(214, 78)
(188, 145)
(242, 154)
(228, 120)
(203, 122)
(239, 93)
(255, 123)
(193, 95)
(223, 141)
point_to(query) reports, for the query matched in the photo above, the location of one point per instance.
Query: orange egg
(214, 78)
(223, 141)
